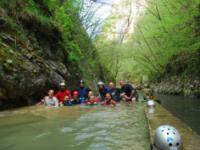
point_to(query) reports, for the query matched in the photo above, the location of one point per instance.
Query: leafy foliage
(164, 29)
(59, 22)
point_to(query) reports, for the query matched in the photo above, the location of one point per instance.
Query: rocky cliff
(39, 48)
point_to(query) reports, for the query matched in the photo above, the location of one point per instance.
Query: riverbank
(178, 86)
(185, 108)
(181, 76)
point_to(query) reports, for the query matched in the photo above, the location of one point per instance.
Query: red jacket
(61, 95)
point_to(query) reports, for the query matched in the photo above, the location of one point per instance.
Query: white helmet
(167, 138)
(62, 84)
(100, 83)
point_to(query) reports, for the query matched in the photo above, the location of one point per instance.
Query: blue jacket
(83, 92)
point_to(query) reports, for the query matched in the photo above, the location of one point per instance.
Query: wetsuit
(129, 91)
(115, 92)
(102, 93)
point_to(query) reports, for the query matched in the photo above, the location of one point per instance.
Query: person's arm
(56, 102)
(127, 89)
(113, 103)
(132, 90)
(45, 100)
(122, 94)
(134, 93)
(41, 102)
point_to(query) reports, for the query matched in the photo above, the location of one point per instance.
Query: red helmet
(75, 93)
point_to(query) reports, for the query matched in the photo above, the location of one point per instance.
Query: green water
(185, 108)
(75, 128)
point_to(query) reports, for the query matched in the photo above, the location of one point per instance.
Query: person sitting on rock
(62, 93)
(51, 100)
(92, 99)
(128, 93)
(109, 101)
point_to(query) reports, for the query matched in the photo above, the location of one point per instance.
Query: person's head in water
(111, 85)
(90, 95)
(81, 83)
(108, 97)
(100, 85)
(121, 82)
(67, 98)
(62, 86)
(51, 93)
(75, 94)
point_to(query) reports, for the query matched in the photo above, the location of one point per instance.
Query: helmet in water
(167, 138)
(100, 83)
(151, 103)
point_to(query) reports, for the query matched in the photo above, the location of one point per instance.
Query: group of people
(107, 95)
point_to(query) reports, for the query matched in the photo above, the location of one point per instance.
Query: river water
(72, 128)
(185, 108)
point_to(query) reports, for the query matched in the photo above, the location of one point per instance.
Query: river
(82, 127)
(185, 108)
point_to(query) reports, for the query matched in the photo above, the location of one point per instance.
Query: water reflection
(150, 110)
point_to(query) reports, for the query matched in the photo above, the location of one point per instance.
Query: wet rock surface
(177, 86)
(25, 76)
(31, 66)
